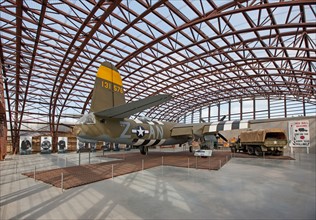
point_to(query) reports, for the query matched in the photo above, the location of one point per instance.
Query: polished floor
(245, 188)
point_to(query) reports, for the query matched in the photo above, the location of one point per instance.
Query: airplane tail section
(108, 89)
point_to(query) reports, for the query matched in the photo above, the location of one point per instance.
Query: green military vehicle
(257, 142)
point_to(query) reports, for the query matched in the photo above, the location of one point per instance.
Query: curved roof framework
(203, 50)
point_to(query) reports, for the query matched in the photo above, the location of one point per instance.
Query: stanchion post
(142, 164)
(62, 182)
(112, 171)
(162, 165)
(196, 162)
(264, 155)
(188, 162)
(34, 173)
(79, 157)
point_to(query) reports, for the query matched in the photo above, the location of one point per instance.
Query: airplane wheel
(233, 149)
(143, 150)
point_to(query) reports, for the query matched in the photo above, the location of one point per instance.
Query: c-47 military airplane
(108, 118)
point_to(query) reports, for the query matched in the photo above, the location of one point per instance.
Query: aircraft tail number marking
(112, 86)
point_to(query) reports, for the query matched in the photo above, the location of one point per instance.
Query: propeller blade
(222, 137)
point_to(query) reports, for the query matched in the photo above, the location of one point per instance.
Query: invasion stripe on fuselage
(235, 124)
(152, 142)
(228, 125)
(213, 127)
(138, 142)
(138, 121)
(159, 142)
(144, 121)
(151, 122)
(146, 142)
(220, 126)
(243, 124)
(158, 122)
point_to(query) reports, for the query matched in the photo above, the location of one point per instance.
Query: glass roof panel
(173, 42)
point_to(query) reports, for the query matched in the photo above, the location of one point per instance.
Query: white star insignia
(140, 132)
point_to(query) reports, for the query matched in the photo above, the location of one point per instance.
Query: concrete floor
(242, 189)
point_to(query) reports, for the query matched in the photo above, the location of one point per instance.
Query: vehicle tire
(190, 149)
(258, 151)
(278, 153)
(251, 150)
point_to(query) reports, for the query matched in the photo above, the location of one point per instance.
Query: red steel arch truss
(200, 51)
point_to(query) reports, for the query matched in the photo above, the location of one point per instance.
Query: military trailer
(257, 142)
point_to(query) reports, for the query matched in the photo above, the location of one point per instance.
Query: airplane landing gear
(143, 150)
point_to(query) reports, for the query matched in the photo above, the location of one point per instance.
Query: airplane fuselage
(136, 132)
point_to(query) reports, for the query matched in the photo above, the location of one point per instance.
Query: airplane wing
(128, 109)
(225, 126)
(207, 128)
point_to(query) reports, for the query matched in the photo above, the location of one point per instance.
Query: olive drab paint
(108, 84)
(108, 118)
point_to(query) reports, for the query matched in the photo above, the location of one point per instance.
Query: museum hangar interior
(240, 60)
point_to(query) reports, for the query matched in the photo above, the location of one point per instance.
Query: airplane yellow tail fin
(108, 88)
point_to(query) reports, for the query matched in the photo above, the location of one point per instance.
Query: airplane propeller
(220, 135)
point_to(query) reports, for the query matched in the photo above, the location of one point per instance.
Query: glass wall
(249, 109)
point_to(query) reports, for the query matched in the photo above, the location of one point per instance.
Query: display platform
(132, 162)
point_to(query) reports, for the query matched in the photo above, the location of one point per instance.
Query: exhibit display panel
(25, 145)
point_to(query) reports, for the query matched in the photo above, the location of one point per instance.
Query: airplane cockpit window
(87, 119)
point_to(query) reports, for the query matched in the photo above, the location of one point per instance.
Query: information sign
(299, 134)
